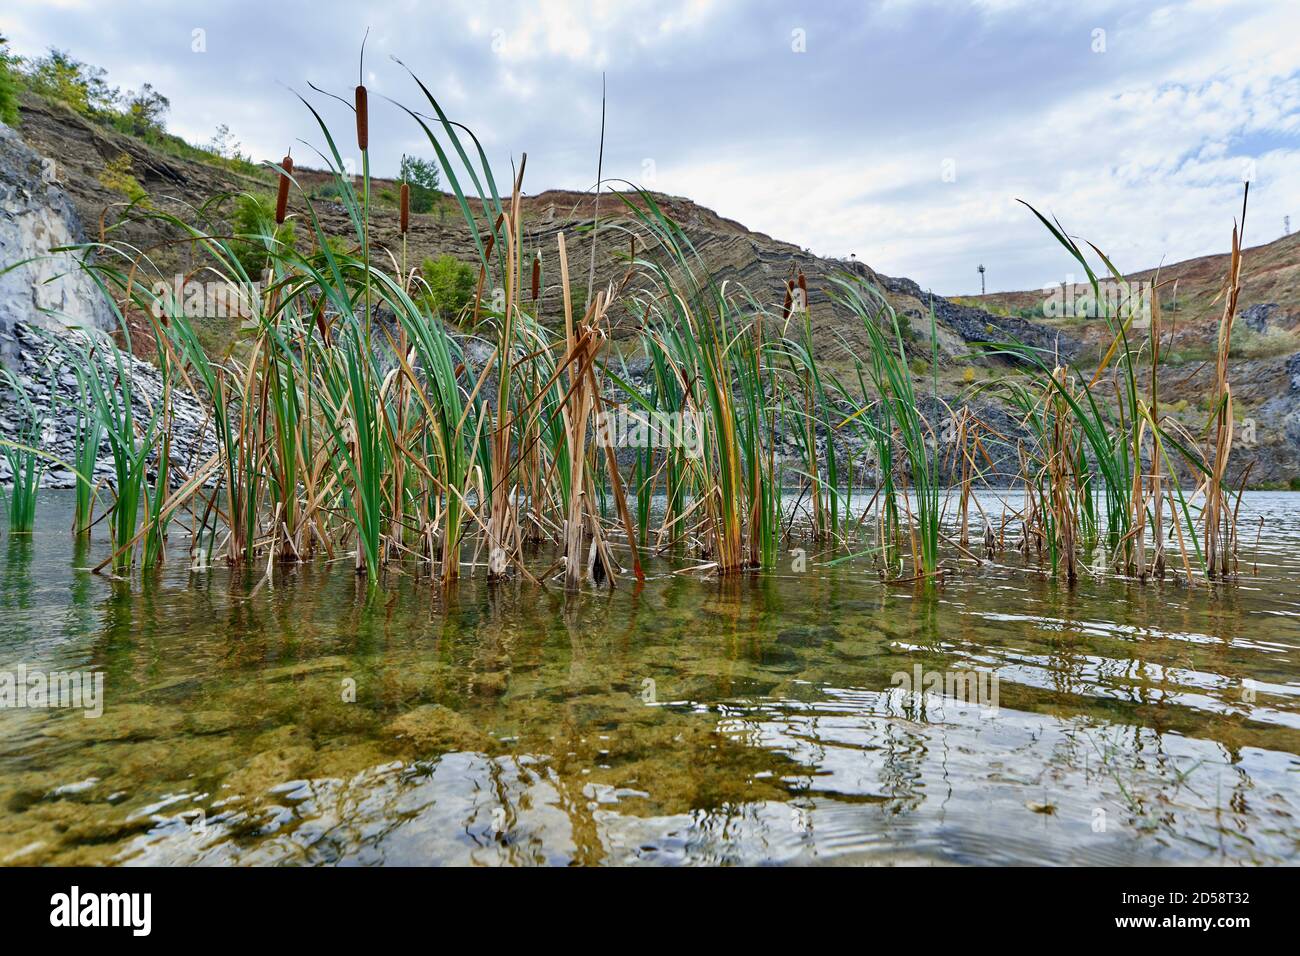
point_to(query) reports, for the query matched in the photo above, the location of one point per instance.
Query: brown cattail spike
(537, 277)
(320, 322)
(406, 208)
(803, 293)
(789, 300)
(363, 120)
(282, 197)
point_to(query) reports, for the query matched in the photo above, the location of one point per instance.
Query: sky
(899, 131)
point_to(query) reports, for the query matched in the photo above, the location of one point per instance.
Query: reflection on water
(686, 722)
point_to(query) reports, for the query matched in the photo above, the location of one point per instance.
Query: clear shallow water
(693, 722)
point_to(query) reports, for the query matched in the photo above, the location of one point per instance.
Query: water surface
(294, 721)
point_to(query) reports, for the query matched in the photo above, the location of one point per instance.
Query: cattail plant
(1218, 526)
(891, 378)
(26, 460)
(87, 438)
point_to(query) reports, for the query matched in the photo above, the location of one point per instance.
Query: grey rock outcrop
(36, 216)
(1257, 316)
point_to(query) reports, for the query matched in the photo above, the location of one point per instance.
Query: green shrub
(116, 175)
(338, 245)
(450, 282)
(253, 223)
(327, 191)
(8, 85)
(60, 77)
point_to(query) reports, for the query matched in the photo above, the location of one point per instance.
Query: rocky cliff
(39, 286)
(45, 295)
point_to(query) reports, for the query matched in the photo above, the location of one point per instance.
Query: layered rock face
(49, 289)
(42, 369)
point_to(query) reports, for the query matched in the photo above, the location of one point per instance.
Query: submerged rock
(434, 729)
(271, 768)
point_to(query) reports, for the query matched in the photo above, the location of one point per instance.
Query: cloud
(900, 130)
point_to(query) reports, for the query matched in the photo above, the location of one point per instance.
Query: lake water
(685, 722)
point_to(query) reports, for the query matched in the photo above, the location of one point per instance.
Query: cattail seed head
(282, 197)
(321, 326)
(406, 208)
(537, 276)
(789, 300)
(363, 120)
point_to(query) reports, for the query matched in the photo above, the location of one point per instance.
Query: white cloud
(1139, 148)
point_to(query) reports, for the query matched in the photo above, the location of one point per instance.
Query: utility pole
(981, 272)
(1286, 225)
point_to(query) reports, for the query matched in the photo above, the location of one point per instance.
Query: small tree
(451, 284)
(423, 178)
(224, 144)
(145, 112)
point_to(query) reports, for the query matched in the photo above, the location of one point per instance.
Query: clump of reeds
(1220, 521)
(900, 423)
(352, 421)
(25, 461)
(1102, 466)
